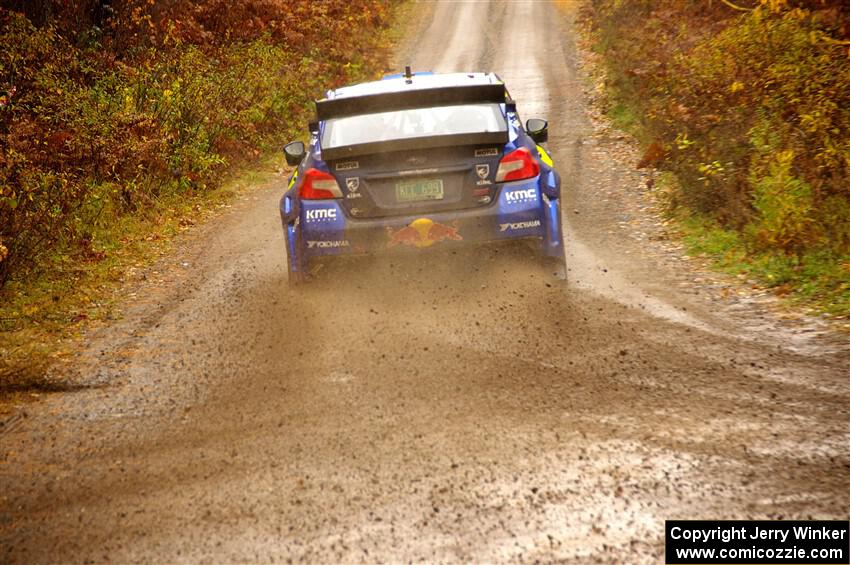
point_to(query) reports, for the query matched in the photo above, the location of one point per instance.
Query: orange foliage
(103, 112)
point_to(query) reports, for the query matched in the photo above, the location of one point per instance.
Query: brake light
(319, 185)
(517, 165)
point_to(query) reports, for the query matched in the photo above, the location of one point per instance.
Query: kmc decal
(526, 195)
(321, 215)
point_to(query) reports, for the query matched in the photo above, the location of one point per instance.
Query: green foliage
(819, 277)
(704, 237)
(784, 206)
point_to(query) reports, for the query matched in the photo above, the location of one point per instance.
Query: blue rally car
(419, 160)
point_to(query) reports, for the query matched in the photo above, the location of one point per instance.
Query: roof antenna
(408, 76)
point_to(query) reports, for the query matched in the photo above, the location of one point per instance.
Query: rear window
(412, 123)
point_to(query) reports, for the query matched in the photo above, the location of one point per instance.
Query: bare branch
(736, 7)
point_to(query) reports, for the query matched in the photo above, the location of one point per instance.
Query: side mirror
(537, 129)
(294, 152)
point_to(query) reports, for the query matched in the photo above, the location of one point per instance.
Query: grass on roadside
(815, 280)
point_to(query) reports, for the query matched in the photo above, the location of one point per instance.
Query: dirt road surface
(439, 407)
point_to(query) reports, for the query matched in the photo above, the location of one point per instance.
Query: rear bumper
(521, 210)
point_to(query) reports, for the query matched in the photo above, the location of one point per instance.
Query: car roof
(418, 81)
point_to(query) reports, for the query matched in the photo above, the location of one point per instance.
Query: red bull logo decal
(423, 233)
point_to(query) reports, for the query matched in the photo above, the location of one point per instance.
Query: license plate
(419, 189)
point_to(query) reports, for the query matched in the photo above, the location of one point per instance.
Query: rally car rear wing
(414, 98)
(454, 140)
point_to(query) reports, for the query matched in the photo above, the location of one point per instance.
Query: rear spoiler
(481, 138)
(405, 99)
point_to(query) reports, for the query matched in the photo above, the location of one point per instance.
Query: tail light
(319, 185)
(517, 165)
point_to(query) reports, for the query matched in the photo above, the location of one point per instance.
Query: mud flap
(553, 252)
(295, 267)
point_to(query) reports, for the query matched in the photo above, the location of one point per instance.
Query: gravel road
(437, 407)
